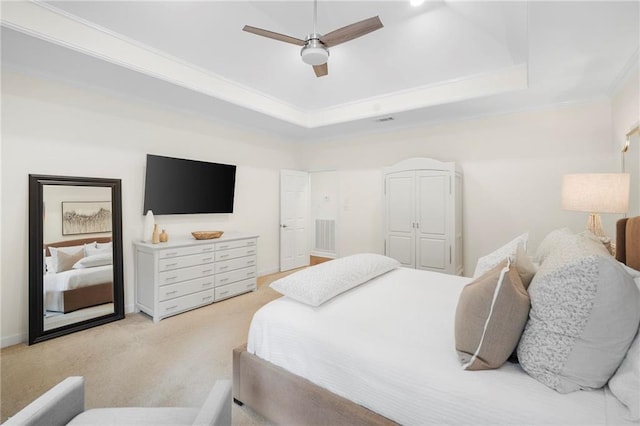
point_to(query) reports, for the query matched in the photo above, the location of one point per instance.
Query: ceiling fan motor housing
(314, 52)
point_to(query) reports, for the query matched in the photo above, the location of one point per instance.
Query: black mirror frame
(37, 333)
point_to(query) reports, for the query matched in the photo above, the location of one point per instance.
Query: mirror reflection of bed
(78, 281)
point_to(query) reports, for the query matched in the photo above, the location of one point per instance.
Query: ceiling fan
(315, 48)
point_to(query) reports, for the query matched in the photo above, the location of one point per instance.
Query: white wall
(51, 128)
(512, 165)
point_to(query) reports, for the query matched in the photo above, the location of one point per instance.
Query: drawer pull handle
(207, 259)
(207, 249)
(206, 298)
(251, 262)
(224, 280)
(171, 264)
(223, 247)
(251, 251)
(171, 278)
(222, 293)
(206, 284)
(250, 274)
(223, 256)
(172, 253)
(251, 243)
(171, 307)
(172, 292)
(222, 268)
(250, 285)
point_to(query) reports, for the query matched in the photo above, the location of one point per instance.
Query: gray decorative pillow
(491, 314)
(317, 284)
(578, 296)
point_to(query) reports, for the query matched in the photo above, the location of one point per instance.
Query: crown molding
(630, 69)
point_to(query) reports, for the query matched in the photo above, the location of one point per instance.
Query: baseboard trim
(16, 339)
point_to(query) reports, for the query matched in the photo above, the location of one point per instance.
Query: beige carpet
(134, 362)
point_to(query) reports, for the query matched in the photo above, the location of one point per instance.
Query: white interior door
(294, 218)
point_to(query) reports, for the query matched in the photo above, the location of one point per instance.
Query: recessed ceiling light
(416, 3)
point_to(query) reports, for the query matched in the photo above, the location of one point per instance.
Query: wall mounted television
(180, 186)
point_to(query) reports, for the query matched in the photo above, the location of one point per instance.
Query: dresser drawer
(170, 307)
(172, 291)
(233, 276)
(178, 275)
(234, 253)
(186, 251)
(236, 244)
(184, 261)
(233, 264)
(235, 288)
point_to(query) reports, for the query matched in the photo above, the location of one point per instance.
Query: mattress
(388, 345)
(76, 278)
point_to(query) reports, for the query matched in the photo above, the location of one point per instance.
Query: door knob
(283, 226)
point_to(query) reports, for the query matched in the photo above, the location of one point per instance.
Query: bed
(360, 359)
(81, 287)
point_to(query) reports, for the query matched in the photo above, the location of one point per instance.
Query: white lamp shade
(596, 192)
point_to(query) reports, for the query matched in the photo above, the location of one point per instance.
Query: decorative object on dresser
(155, 239)
(596, 193)
(186, 274)
(423, 214)
(149, 222)
(206, 235)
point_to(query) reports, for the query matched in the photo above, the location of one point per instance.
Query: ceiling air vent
(384, 119)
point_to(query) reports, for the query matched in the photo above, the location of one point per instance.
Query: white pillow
(490, 261)
(93, 261)
(317, 284)
(108, 245)
(93, 251)
(625, 383)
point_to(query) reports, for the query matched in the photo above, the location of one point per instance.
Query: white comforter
(76, 278)
(389, 346)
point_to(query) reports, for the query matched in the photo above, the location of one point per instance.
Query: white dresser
(180, 275)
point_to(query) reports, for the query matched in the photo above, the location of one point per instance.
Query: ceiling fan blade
(321, 70)
(351, 31)
(275, 36)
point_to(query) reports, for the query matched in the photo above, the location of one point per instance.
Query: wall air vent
(383, 119)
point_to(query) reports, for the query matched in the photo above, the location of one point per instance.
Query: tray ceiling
(444, 60)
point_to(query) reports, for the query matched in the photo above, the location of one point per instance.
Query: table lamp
(596, 193)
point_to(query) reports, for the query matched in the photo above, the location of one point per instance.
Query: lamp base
(594, 225)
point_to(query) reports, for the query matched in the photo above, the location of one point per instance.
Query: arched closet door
(423, 214)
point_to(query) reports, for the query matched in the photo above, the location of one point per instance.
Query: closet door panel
(432, 254)
(401, 248)
(432, 195)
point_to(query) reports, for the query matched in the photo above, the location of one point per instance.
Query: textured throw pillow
(317, 284)
(550, 241)
(56, 259)
(490, 261)
(625, 384)
(491, 314)
(93, 261)
(585, 311)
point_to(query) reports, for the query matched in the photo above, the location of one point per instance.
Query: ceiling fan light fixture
(314, 53)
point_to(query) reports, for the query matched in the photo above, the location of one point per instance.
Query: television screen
(179, 186)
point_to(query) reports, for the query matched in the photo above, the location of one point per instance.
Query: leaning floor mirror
(75, 254)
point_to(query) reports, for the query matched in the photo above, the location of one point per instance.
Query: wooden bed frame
(286, 398)
(83, 297)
